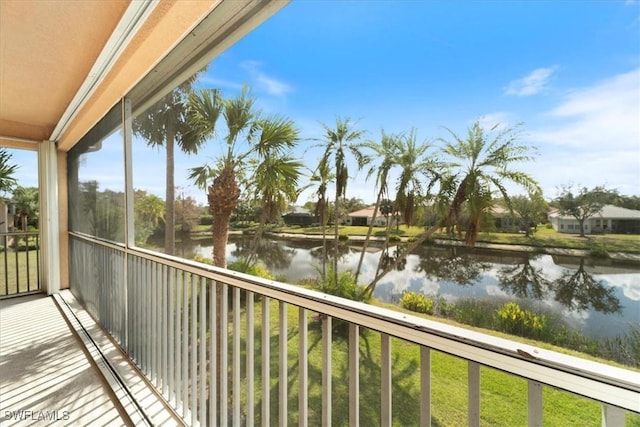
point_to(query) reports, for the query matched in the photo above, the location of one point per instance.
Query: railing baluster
(283, 368)
(425, 386)
(385, 379)
(202, 409)
(213, 356)
(326, 371)
(169, 392)
(178, 340)
(266, 361)
(224, 355)
(185, 345)
(303, 369)
(354, 374)
(534, 404)
(612, 416)
(251, 347)
(193, 288)
(235, 368)
(474, 393)
(164, 336)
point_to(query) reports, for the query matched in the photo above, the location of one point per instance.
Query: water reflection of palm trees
(453, 264)
(524, 280)
(272, 253)
(577, 290)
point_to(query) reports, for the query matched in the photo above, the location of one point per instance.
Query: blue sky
(568, 70)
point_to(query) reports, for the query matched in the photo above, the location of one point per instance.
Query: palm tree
(338, 142)
(387, 151)
(7, 170)
(323, 176)
(205, 107)
(484, 165)
(479, 165)
(165, 125)
(275, 180)
(415, 164)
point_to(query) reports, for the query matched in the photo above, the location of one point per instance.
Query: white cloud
(531, 84)
(501, 119)
(593, 137)
(264, 82)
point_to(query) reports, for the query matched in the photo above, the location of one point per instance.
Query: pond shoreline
(619, 256)
(630, 257)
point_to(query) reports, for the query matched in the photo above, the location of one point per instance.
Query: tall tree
(583, 203)
(416, 164)
(529, 209)
(323, 177)
(26, 201)
(385, 152)
(205, 108)
(275, 179)
(479, 164)
(165, 125)
(339, 141)
(483, 163)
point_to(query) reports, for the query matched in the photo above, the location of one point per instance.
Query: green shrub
(241, 265)
(599, 251)
(512, 319)
(419, 303)
(475, 312)
(345, 287)
(343, 237)
(206, 220)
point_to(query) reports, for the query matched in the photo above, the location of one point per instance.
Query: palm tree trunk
(335, 238)
(369, 232)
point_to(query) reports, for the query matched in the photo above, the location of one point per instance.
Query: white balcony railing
(163, 312)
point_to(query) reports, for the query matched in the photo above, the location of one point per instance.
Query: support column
(49, 226)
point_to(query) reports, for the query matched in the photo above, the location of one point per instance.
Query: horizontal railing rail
(168, 314)
(20, 263)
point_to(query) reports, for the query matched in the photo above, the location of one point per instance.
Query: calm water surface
(597, 297)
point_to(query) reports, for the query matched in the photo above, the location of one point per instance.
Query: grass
(503, 396)
(27, 268)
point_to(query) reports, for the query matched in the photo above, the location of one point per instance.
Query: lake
(598, 297)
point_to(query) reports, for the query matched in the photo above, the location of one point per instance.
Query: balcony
(163, 319)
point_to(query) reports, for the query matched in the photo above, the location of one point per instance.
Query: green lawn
(21, 270)
(503, 397)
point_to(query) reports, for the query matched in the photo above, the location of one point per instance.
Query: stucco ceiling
(47, 48)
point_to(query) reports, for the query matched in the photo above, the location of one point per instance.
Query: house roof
(608, 212)
(298, 210)
(366, 212)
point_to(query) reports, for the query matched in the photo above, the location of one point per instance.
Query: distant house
(504, 219)
(611, 219)
(364, 216)
(300, 216)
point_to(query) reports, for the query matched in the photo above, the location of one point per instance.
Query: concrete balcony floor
(49, 376)
(44, 372)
